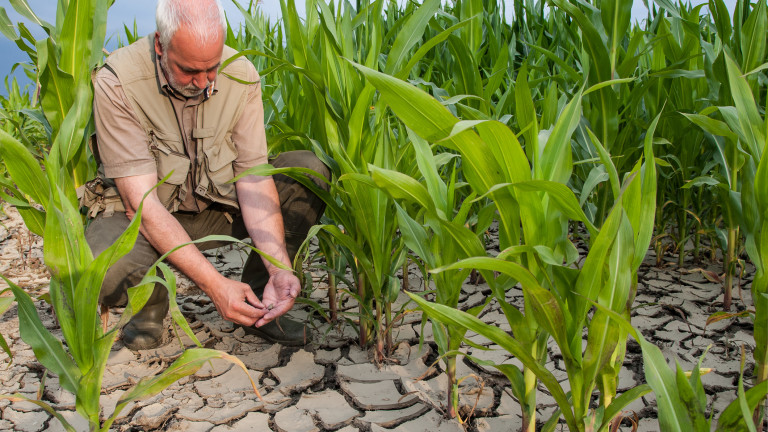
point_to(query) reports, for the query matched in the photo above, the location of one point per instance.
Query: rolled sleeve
(248, 134)
(122, 143)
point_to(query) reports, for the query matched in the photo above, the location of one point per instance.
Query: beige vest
(134, 66)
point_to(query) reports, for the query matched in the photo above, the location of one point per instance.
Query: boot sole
(269, 338)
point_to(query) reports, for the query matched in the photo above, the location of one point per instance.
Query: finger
(251, 298)
(243, 313)
(279, 309)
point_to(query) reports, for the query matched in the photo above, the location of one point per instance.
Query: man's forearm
(164, 233)
(260, 207)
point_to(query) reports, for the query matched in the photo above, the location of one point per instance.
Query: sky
(143, 12)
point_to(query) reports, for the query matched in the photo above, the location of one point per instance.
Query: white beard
(190, 90)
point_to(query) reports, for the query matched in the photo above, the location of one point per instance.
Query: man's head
(189, 40)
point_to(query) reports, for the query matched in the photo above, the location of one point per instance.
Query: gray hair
(201, 17)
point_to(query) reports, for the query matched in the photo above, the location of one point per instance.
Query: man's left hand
(279, 295)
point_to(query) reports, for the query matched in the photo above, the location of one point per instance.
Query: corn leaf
(410, 35)
(445, 314)
(24, 169)
(48, 350)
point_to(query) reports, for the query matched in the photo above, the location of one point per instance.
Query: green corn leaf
(547, 310)
(427, 46)
(679, 73)
(87, 398)
(498, 74)
(57, 87)
(466, 72)
(690, 400)
(359, 120)
(556, 160)
(34, 219)
(596, 176)
(433, 122)
(6, 26)
(473, 35)
(401, 186)
(643, 220)
(604, 336)
(66, 255)
(169, 280)
(608, 83)
(590, 279)
(753, 45)
(715, 127)
(621, 402)
(99, 32)
(425, 160)
(410, 35)
(415, 236)
(749, 120)
(69, 140)
(75, 38)
(526, 116)
(326, 19)
(562, 197)
(721, 18)
(503, 144)
(24, 169)
(732, 419)
(5, 304)
(600, 71)
(89, 285)
(48, 350)
(605, 158)
(615, 15)
(571, 73)
(22, 7)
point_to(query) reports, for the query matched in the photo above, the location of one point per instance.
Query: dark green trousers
(300, 208)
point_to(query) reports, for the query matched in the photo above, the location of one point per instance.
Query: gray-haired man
(161, 107)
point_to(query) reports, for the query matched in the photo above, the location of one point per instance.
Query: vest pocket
(219, 159)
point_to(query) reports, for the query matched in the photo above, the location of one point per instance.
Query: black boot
(283, 331)
(145, 330)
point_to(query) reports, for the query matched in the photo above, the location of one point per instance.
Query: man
(161, 107)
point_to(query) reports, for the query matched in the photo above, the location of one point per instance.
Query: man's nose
(202, 79)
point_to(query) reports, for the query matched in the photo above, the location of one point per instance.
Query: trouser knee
(129, 270)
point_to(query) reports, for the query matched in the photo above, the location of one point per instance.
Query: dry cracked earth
(333, 385)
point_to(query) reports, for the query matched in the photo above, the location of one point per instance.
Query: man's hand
(279, 295)
(236, 302)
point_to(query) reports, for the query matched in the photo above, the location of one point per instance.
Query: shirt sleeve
(123, 145)
(248, 135)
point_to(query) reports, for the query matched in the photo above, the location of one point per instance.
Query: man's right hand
(236, 302)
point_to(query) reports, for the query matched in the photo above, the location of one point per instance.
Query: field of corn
(580, 139)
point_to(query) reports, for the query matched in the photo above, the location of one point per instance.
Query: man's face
(189, 67)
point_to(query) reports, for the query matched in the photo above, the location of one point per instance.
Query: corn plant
(745, 121)
(438, 237)
(680, 395)
(561, 311)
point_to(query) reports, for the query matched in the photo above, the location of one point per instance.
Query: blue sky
(143, 12)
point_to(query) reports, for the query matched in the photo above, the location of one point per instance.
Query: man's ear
(158, 46)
